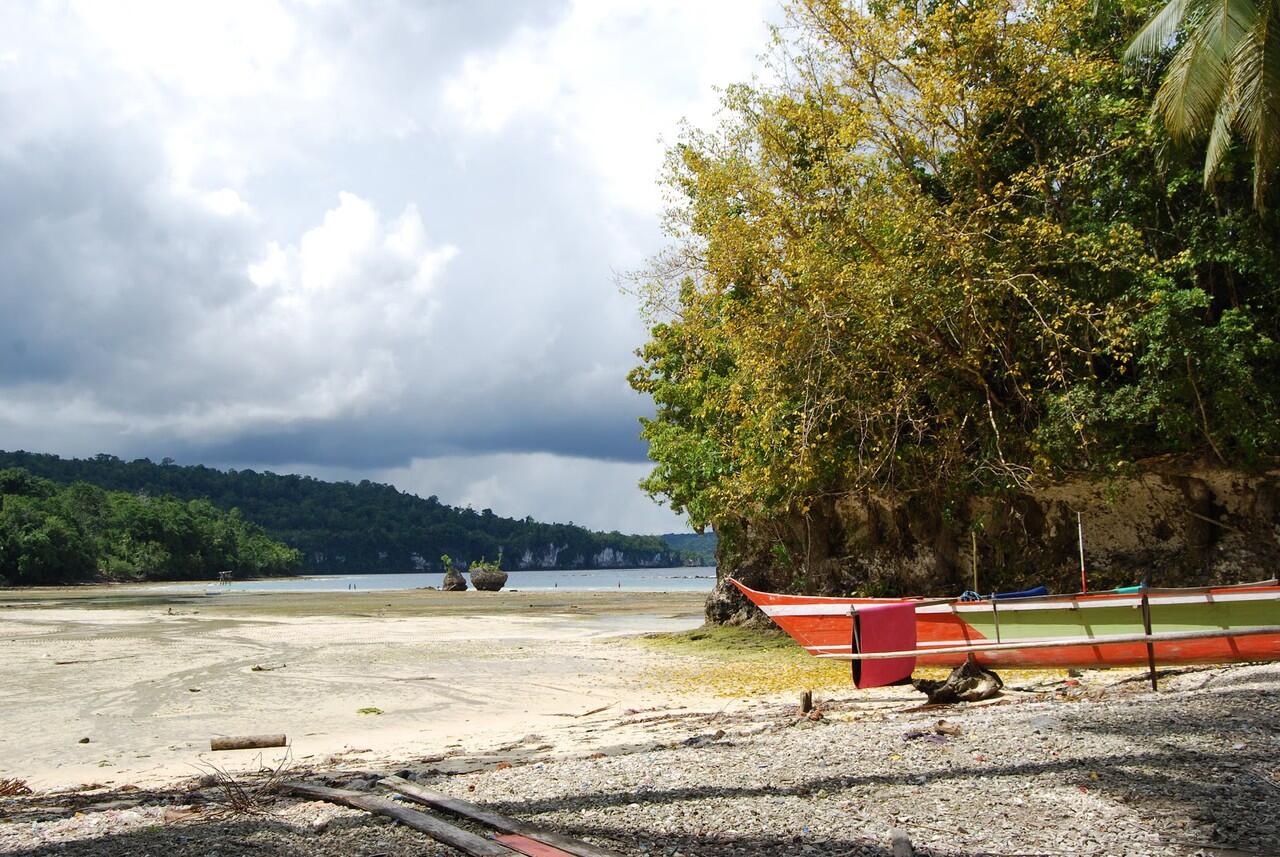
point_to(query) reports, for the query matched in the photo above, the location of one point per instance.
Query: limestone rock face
(488, 580)
(1178, 522)
(454, 581)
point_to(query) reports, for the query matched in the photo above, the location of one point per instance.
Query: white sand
(153, 687)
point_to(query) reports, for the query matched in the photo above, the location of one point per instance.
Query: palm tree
(1224, 78)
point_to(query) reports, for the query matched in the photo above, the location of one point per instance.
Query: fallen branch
(93, 660)
(13, 787)
(438, 830)
(466, 809)
(247, 798)
(587, 713)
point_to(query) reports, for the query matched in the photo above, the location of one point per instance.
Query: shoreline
(82, 584)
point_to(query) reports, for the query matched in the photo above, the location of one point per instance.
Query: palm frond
(1237, 19)
(1159, 32)
(1195, 80)
(1223, 78)
(1256, 74)
(1220, 136)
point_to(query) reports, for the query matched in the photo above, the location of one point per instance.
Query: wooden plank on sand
(441, 831)
(530, 847)
(465, 809)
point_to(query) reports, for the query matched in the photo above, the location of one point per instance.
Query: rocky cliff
(1174, 521)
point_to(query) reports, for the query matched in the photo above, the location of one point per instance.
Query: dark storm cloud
(608, 436)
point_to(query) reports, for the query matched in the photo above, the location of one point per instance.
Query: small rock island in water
(488, 576)
(453, 579)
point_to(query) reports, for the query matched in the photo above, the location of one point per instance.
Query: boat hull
(824, 626)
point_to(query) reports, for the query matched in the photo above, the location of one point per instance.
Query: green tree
(947, 256)
(52, 534)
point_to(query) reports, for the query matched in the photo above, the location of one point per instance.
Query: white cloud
(612, 78)
(346, 235)
(226, 202)
(229, 48)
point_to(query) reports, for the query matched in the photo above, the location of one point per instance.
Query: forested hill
(78, 532)
(364, 527)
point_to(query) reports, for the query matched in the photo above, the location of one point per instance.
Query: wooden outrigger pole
(1062, 642)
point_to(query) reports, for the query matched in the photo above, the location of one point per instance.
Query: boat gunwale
(1072, 601)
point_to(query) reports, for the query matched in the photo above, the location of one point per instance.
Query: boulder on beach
(488, 579)
(454, 581)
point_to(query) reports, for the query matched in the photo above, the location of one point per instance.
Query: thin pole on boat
(1063, 642)
(1146, 627)
(1084, 584)
(973, 538)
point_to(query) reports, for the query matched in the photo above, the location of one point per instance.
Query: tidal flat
(148, 677)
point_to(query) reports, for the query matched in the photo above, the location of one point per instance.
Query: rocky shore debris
(1112, 770)
(967, 683)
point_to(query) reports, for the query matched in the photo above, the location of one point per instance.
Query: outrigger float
(886, 638)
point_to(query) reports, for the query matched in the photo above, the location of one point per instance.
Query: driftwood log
(248, 742)
(441, 831)
(436, 800)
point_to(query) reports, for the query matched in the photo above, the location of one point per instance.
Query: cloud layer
(344, 239)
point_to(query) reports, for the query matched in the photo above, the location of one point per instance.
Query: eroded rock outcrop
(1180, 523)
(454, 581)
(488, 579)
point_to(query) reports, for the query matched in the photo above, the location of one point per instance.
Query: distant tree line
(365, 526)
(78, 532)
(698, 548)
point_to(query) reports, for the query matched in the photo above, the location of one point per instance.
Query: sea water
(697, 579)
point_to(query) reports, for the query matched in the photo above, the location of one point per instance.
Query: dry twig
(247, 797)
(13, 787)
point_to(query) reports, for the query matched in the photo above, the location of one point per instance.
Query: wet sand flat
(148, 676)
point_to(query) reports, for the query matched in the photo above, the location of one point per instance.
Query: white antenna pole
(1084, 583)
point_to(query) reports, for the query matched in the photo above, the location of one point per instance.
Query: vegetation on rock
(488, 576)
(454, 581)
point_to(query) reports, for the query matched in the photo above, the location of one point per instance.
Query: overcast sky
(365, 240)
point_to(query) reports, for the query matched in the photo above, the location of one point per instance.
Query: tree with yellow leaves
(948, 254)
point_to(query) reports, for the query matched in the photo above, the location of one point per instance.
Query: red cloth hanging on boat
(884, 628)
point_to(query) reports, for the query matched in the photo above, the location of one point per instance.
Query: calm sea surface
(699, 579)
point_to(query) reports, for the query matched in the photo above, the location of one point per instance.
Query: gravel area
(1097, 765)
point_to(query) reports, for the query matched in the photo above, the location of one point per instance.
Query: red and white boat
(1134, 626)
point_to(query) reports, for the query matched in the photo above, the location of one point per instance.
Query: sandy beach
(148, 678)
(551, 709)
